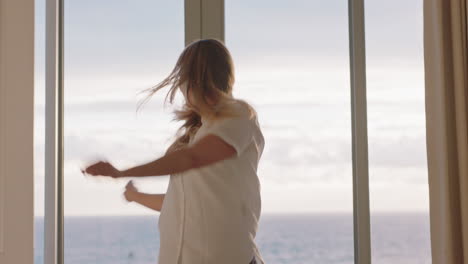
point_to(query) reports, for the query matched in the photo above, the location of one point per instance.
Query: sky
(292, 64)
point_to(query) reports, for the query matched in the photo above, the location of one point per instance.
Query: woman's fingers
(130, 186)
(94, 168)
(101, 168)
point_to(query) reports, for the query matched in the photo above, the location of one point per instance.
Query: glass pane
(114, 49)
(39, 129)
(292, 64)
(397, 140)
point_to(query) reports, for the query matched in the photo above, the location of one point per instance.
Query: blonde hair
(206, 68)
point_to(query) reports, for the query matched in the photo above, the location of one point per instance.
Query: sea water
(401, 238)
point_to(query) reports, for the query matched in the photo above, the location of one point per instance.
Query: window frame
(360, 160)
(54, 131)
(203, 19)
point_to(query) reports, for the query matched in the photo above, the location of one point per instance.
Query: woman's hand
(152, 201)
(130, 191)
(104, 169)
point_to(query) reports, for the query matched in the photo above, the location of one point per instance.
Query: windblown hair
(206, 70)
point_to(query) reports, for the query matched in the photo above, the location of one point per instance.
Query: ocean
(401, 238)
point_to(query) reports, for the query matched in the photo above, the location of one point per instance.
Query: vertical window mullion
(192, 15)
(204, 19)
(53, 199)
(362, 246)
(212, 22)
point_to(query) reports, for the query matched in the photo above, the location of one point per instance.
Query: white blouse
(210, 214)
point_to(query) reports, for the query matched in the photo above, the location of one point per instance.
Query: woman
(210, 212)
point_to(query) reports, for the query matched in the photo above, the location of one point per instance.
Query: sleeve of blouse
(237, 132)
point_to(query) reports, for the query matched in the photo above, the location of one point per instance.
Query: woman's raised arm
(207, 150)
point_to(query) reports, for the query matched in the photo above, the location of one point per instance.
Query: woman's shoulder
(237, 111)
(245, 109)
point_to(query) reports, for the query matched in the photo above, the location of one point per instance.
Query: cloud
(404, 151)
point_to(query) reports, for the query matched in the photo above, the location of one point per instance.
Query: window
(293, 64)
(397, 141)
(113, 50)
(39, 129)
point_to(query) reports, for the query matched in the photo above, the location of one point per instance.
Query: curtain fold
(446, 85)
